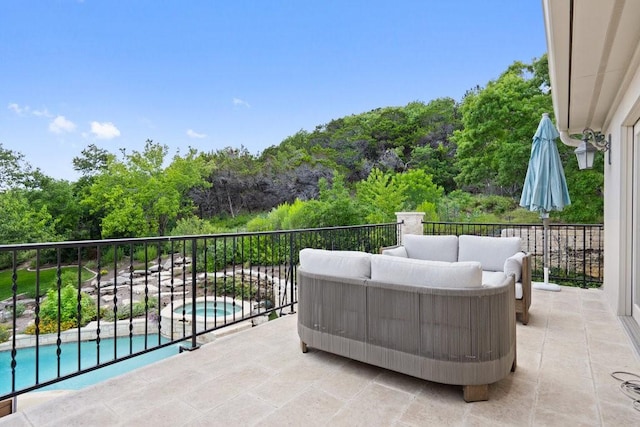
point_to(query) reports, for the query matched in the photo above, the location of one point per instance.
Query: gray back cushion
(417, 272)
(336, 263)
(433, 248)
(491, 252)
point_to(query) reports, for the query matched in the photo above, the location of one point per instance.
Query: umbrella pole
(546, 286)
(545, 246)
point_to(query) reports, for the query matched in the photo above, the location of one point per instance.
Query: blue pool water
(48, 366)
(220, 309)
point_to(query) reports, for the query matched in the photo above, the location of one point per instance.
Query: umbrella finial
(545, 115)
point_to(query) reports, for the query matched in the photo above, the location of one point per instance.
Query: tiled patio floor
(260, 377)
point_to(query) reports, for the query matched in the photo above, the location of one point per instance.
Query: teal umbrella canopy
(545, 187)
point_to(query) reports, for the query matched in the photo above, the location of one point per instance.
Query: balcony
(259, 376)
(566, 353)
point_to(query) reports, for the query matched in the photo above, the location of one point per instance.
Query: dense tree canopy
(499, 121)
(452, 160)
(138, 196)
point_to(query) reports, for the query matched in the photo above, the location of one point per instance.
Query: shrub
(229, 287)
(68, 301)
(49, 326)
(191, 226)
(4, 333)
(109, 255)
(139, 310)
(20, 308)
(151, 253)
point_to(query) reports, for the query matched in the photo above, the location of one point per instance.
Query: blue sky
(215, 73)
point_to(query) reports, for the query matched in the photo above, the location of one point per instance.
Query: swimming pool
(210, 313)
(48, 368)
(217, 308)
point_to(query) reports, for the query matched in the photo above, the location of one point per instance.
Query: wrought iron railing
(576, 251)
(146, 294)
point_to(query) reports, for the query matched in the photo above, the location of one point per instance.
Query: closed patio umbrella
(545, 187)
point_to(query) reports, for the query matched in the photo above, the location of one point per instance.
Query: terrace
(260, 377)
(566, 353)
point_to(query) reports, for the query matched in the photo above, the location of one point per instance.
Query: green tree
(15, 172)
(586, 189)
(23, 222)
(137, 196)
(418, 188)
(92, 160)
(382, 196)
(336, 206)
(499, 122)
(60, 200)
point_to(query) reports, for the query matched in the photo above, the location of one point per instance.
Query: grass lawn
(27, 281)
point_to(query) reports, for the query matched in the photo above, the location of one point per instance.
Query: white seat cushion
(416, 272)
(336, 263)
(494, 278)
(491, 252)
(433, 248)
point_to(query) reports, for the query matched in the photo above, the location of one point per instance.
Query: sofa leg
(303, 346)
(475, 393)
(525, 317)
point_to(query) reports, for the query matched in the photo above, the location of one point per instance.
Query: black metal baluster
(205, 269)
(115, 301)
(37, 320)
(79, 309)
(131, 259)
(59, 286)
(14, 297)
(99, 298)
(160, 306)
(194, 344)
(146, 294)
(291, 270)
(215, 277)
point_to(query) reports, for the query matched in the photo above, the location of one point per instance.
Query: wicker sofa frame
(521, 305)
(459, 336)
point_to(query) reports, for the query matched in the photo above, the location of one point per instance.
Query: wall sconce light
(592, 142)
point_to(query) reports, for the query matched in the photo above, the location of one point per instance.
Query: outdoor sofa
(498, 256)
(430, 319)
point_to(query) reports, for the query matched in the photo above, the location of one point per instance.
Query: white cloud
(60, 125)
(105, 130)
(23, 110)
(240, 103)
(18, 109)
(42, 113)
(193, 134)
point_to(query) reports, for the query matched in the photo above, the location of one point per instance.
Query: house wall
(618, 199)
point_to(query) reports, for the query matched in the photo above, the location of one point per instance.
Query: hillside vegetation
(456, 161)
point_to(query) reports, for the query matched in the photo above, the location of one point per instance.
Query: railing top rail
(105, 242)
(513, 224)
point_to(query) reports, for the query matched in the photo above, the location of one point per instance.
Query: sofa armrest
(331, 306)
(526, 279)
(522, 305)
(396, 251)
(384, 248)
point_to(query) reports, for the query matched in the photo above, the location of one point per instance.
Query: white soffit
(590, 45)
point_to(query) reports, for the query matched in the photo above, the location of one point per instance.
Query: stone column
(411, 223)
